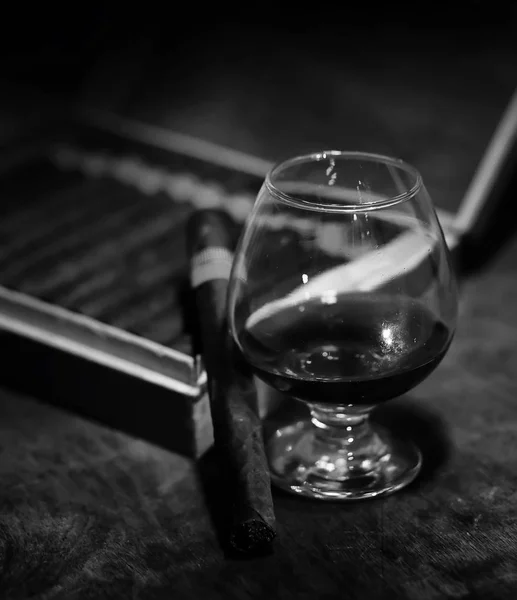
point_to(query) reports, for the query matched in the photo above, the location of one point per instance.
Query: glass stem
(342, 428)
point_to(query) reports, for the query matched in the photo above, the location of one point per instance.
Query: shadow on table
(425, 427)
(213, 481)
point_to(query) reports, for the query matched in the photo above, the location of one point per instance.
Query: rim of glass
(293, 200)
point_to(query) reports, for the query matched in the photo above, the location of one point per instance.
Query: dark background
(423, 81)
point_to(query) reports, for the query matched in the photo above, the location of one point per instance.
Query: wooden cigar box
(95, 307)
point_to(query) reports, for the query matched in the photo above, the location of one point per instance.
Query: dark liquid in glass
(360, 349)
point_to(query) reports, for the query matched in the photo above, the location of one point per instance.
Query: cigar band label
(209, 264)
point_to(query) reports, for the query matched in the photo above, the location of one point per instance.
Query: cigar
(233, 397)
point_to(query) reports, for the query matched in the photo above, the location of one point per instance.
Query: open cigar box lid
(95, 307)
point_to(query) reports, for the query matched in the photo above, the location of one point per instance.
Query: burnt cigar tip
(252, 537)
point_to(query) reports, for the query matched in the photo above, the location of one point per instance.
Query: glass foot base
(304, 463)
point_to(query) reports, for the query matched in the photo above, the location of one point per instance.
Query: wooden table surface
(88, 512)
